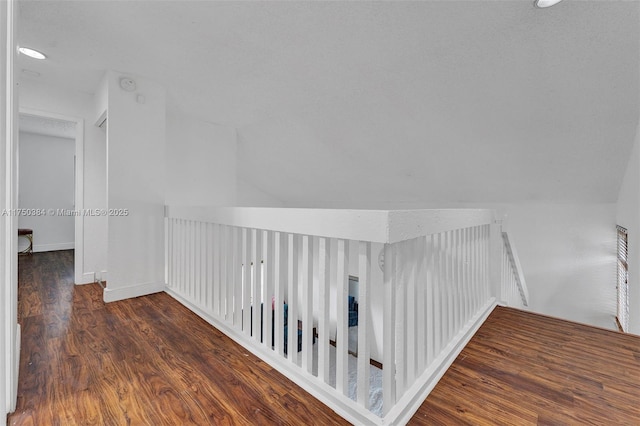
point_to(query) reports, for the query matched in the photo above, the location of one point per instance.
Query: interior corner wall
(628, 216)
(568, 256)
(135, 188)
(39, 96)
(200, 162)
(46, 167)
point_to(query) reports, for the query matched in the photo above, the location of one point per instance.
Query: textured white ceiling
(359, 103)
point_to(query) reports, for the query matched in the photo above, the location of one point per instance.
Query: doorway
(50, 182)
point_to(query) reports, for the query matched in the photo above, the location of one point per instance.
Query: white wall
(46, 181)
(628, 216)
(568, 254)
(200, 162)
(135, 184)
(36, 95)
(248, 195)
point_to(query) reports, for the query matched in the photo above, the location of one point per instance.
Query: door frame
(78, 261)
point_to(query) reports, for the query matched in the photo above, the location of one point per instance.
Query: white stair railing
(278, 282)
(514, 289)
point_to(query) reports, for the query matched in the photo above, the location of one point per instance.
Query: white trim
(379, 226)
(408, 405)
(121, 293)
(79, 185)
(87, 278)
(53, 247)
(9, 225)
(16, 361)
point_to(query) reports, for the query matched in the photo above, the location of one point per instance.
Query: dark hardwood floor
(143, 361)
(527, 369)
(150, 361)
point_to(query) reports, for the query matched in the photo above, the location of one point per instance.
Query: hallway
(143, 361)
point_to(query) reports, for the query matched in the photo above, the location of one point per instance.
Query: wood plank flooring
(150, 361)
(527, 369)
(144, 361)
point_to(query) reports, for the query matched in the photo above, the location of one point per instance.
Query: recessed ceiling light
(32, 53)
(545, 3)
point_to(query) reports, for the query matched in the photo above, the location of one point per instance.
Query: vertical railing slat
(292, 303)
(235, 272)
(438, 324)
(247, 280)
(192, 258)
(269, 297)
(454, 282)
(217, 247)
(364, 322)
(176, 252)
(204, 266)
(168, 252)
(487, 248)
(342, 338)
(237, 282)
(256, 294)
(224, 270)
(324, 277)
(199, 300)
(459, 279)
(473, 268)
(445, 288)
(421, 325)
(428, 301)
(450, 287)
(182, 281)
(401, 280)
(469, 282)
(279, 276)
(411, 342)
(306, 272)
(388, 332)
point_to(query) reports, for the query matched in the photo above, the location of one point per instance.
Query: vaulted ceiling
(354, 103)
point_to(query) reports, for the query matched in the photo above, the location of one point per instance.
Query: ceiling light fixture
(545, 3)
(32, 53)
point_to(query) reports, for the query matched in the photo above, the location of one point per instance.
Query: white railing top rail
(379, 226)
(515, 262)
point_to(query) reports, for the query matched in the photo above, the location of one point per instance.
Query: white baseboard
(53, 247)
(87, 278)
(14, 389)
(114, 294)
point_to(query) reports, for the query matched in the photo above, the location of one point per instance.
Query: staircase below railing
(364, 309)
(514, 288)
